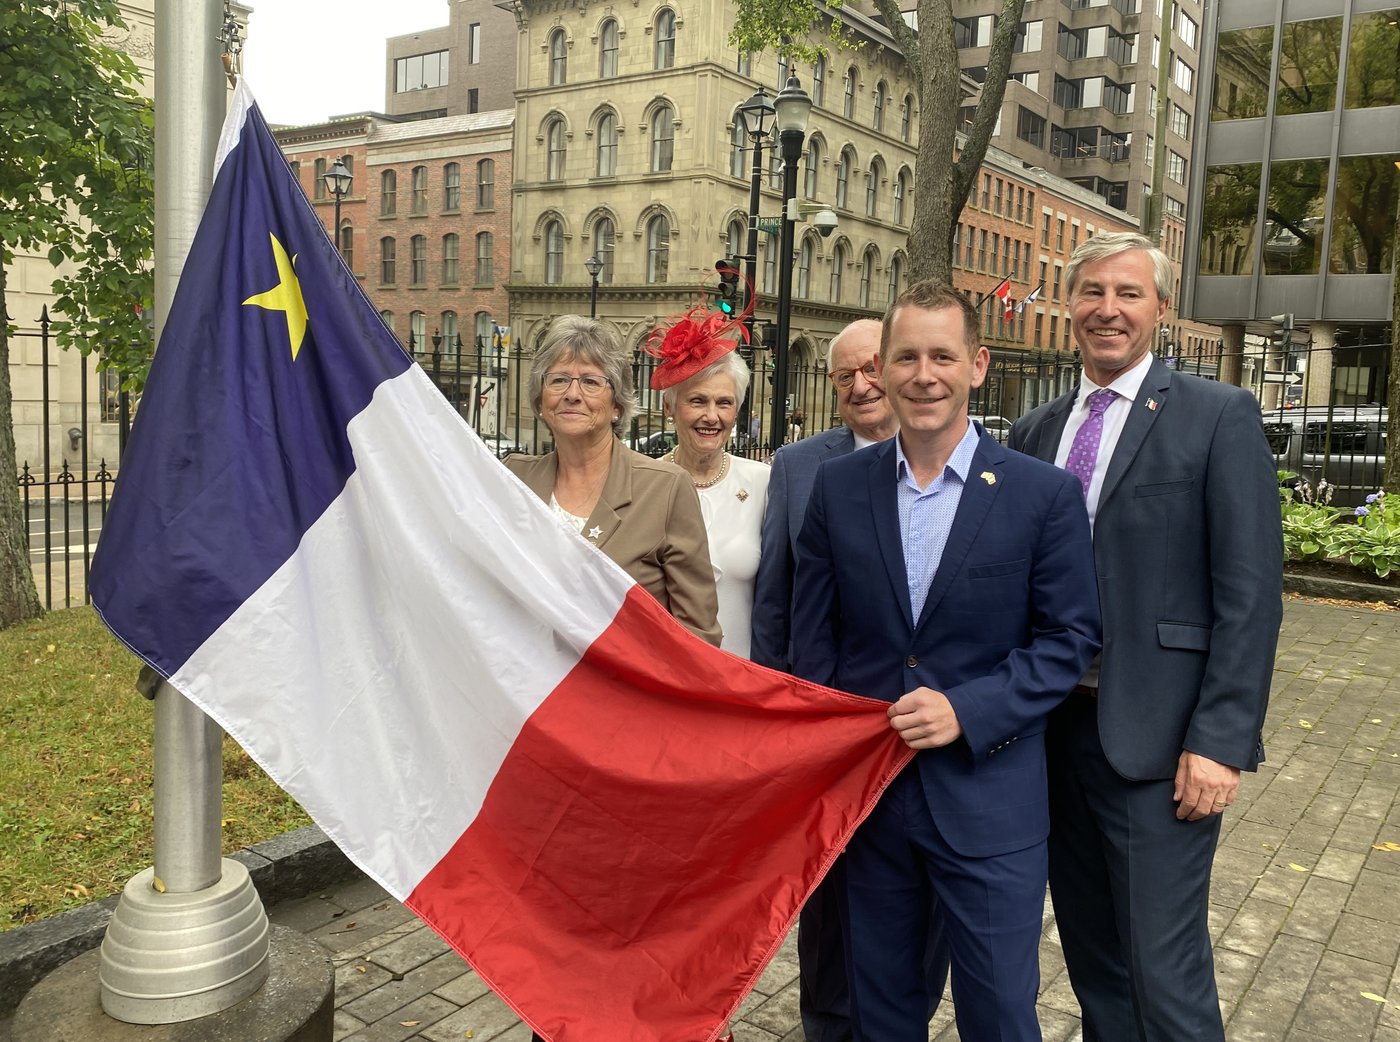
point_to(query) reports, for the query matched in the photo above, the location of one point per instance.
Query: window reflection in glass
(1295, 217)
(1373, 64)
(1307, 66)
(1242, 74)
(1363, 235)
(1229, 211)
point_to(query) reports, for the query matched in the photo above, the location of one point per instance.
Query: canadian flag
(1003, 294)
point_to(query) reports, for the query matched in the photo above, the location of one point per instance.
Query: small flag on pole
(1033, 295)
(1003, 294)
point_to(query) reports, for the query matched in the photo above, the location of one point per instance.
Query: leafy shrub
(1372, 542)
(1309, 519)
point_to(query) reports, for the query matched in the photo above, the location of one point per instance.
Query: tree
(943, 174)
(73, 180)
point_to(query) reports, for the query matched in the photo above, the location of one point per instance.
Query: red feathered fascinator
(689, 343)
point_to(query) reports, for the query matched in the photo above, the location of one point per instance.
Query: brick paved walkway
(1305, 910)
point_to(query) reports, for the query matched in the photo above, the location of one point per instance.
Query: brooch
(989, 477)
(595, 532)
(741, 495)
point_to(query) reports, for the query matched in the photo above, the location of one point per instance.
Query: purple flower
(1371, 498)
(1362, 511)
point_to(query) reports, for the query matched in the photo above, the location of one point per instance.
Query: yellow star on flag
(284, 297)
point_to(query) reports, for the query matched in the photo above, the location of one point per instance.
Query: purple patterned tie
(1084, 452)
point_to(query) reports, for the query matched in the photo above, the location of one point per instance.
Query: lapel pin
(1151, 404)
(989, 477)
(741, 495)
(595, 532)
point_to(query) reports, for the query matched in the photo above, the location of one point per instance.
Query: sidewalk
(1305, 912)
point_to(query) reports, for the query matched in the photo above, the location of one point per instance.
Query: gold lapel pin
(989, 477)
(741, 495)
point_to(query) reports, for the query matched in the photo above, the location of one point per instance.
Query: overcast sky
(308, 61)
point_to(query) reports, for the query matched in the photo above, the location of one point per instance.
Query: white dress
(733, 512)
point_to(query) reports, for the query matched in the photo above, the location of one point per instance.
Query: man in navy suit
(823, 996)
(953, 578)
(1146, 755)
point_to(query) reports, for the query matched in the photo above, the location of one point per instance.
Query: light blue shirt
(926, 515)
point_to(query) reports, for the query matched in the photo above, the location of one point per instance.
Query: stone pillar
(1318, 387)
(1231, 353)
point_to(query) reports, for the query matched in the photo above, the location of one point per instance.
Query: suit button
(912, 661)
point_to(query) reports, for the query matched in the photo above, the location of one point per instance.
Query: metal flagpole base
(174, 957)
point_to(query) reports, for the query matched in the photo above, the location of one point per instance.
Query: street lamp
(338, 180)
(757, 114)
(793, 106)
(594, 264)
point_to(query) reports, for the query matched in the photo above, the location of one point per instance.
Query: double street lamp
(594, 265)
(338, 181)
(793, 106)
(757, 114)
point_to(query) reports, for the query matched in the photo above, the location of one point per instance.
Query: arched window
(804, 268)
(486, 184)
(388, 193)
(814, 160)
(843, 177)
(417, 331)
(901, 187)
(896, 278)
(848, 100)
(775, 170)
(607, 145)
(867, 276)
(663, 131)
(665, 30)
(872, 187)
(347, 243)
(387, 250)
(451, 187)
(447, 325)
(736, 238)
(387, 317)
(485, 329)
(906, 117)
(770, 265)
(782, 71)
(318, 183)
(658, 248)
(420, 189)
(604, 236)
(449, 259)
(418, 260)
(607, 49)
(554, 149)
(558, 58)
(738, 142)
(838, 269)
(880, 91)
(484, 246)
(819, 81)
(553, 252)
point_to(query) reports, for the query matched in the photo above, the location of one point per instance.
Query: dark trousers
(1130, 885)
(898, 865)
(823, 993)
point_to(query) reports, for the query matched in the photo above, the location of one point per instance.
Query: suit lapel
(973, 506)
(1150, 403)
(884, 505)
(615, 497)
(1052, 428)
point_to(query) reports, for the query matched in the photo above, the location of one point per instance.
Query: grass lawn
(75, 771)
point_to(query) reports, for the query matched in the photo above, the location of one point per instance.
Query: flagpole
(987, 296)
(189, 936)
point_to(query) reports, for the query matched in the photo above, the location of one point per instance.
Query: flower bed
(1360, 544)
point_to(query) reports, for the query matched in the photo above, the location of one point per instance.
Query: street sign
(771, 225)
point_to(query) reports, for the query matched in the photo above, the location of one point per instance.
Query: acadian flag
(1003, 294)
(1030, 297)
(613, 822)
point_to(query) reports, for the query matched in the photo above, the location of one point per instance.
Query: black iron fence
(1320, 410)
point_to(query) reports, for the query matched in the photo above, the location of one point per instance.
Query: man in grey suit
(823, 990)
(1146, 755)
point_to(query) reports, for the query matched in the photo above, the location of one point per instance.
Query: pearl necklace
(723, 470)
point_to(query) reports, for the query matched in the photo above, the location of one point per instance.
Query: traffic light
(728, 285)
(1281, 339)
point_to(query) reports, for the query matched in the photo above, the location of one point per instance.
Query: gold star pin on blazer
(989, 477)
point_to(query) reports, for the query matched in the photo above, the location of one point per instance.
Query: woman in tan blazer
(643, 513)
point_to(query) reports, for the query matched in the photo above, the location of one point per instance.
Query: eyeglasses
(591, 385)
(844, 378)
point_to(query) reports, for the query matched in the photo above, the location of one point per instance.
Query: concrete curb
(291, 865)
(1339, 589)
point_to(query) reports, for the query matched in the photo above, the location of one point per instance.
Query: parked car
(502, 446)
(656, 444)
(1348, 439)
(999, 427)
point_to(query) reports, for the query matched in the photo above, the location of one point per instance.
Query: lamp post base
(173, 957)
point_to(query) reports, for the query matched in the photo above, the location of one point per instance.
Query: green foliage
(1308, 520)
(1373, 542)
(75, 172)
(76, 771)
(797, 28)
